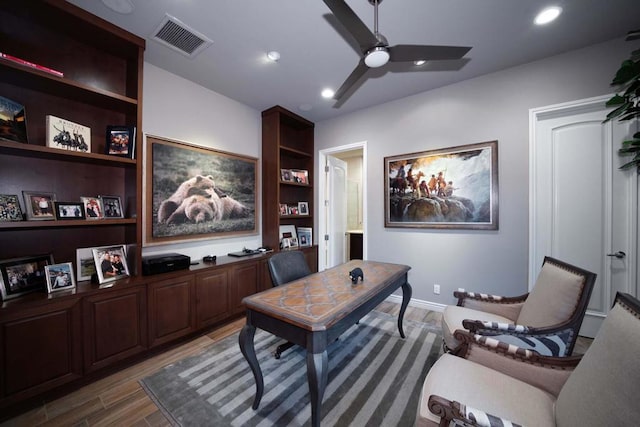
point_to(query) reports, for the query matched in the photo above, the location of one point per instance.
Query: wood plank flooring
(120, 400)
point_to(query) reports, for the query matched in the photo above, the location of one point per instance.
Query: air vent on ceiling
(176, 35)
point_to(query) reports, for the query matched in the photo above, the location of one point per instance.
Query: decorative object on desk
(13, 121)
(215, 387)
(39, 205)
(60, 277)
(69, 210)
(121, 141)
(24, 62)
(19, 276)
(112, 206)
(303, 208)
(288, 232)
(356, 274)
(10, 208)
(452, 188)
(197, 193)
(92, 207)
(111, 263)
(85, 264)
(300, 176)
(67, 135)
(305, 236)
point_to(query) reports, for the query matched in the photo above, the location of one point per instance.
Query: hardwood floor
(120, 400)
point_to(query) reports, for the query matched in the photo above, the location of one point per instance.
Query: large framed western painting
(451, 188)
(197, 193)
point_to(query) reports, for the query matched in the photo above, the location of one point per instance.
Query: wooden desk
(315, 310)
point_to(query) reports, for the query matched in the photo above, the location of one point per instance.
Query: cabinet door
(212, 297)
(171, 313)
(115, 327)
(41, 349)
(244, 283)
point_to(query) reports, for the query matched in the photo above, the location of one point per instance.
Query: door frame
(322, 191)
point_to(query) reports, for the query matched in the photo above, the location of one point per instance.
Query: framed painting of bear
(197, 193)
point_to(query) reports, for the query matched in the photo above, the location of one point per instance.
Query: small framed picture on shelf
(286, 175)
(121, 141)
(85, 264)
(19, 276)
(10, 208)
(284, 209)
(92, 207)
(69, 210)
(112, 206)
(305, 236)
(293, 210)
(111, 263)
(303, 208)
(300, 176)
(13, 121)
(60, 277)
(39, 205)
(288, 236)
(67, 135)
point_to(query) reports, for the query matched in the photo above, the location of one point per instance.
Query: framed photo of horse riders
(195, 193)
(67, 135)
(447, 188)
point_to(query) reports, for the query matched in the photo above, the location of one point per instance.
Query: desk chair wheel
(282, 348)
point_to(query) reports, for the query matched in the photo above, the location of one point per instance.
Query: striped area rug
(374, 379)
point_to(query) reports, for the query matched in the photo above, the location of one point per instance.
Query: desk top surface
(317, 301)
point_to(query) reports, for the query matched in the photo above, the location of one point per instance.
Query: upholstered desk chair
(546, 320)
(491, 382)
(286, 267)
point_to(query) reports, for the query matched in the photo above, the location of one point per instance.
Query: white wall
(178, 109)
(491, 107)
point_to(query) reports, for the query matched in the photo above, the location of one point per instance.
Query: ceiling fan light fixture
(273, 56)
(376, 57)
(548, 15)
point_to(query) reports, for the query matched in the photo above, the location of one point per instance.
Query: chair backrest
(561, 294)
(603, 390)
(287, 266)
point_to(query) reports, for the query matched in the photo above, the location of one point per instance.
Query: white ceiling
(315, 56)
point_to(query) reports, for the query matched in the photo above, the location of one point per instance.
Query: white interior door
(582, 205)
(336, 211)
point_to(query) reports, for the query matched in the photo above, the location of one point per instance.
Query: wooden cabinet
(244, 283)
(287, 143)
(60, 36)
(171, 309)
(115, 326)
(212, 297)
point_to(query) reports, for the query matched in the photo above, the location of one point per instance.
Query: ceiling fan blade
(357, 75)
(414, 52)
(348, 18)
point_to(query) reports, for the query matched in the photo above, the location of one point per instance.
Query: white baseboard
(427, 305)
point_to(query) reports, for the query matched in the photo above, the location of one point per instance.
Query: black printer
(164, 263)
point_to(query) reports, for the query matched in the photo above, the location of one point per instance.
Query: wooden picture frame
(92, 207)
(39, 205)
(20, 276)
(10, 208)
(69, 210)
(60, 277)
(120, 141)
(112, 207)
(111, 263)
(449, 188)
(197, 193)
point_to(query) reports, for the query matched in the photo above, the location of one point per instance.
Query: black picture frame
(120, 141)
(20, 276)
(10, 208)
(112, 207)
(69, 210)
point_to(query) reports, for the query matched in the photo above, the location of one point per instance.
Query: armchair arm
(508, 307)
(461, 414)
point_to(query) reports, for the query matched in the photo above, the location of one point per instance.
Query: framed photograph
(67, 135)
(13, 121)
(288, 236)
(19, 276)
(60, 277)
(92, 207)
(197, 193)
(85, 264)
(284, 209)
(303, 208)
(10, 208)
(121, 141)
(286, 175)
(69, 210)
(111, 206)
(111, 263)
(300, 176)
(39, 205)
(305, 236)
(452, 188)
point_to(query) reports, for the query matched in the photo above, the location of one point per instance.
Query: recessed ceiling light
(547, 15)
(273, 56)
(121, 6)
(305, 107)
(419, 62)
(328, 93)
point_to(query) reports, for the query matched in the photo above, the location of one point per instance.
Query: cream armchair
(546, 320)
(492, 382)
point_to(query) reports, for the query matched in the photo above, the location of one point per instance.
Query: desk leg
(248, 350)
(317, 374)
(406, 296)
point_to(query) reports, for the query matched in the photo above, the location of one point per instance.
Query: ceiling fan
(375, 48)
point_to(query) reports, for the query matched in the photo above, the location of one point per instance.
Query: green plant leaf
(615, 100)
(618, 111)
(625, 73)
(636, 135)
(631, 142)
(629, 164)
